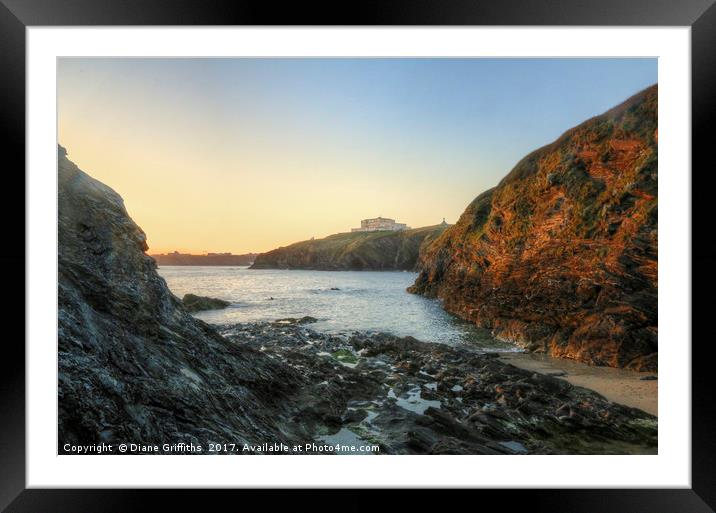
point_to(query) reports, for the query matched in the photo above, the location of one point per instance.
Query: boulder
(194, 303)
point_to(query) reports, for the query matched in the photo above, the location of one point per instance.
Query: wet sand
(618, 385)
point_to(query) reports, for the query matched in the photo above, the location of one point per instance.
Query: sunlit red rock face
(561, 256)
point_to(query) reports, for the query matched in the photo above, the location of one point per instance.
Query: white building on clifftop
(379, 224)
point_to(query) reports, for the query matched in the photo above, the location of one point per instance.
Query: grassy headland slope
(561, 256)
(361, 251)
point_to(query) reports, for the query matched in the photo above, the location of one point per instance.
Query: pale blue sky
(322, 142)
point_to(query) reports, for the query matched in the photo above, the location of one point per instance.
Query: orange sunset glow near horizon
(245, 155)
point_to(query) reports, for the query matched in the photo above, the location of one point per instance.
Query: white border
(670, 468)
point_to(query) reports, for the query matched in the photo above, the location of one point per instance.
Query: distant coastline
(177, 258)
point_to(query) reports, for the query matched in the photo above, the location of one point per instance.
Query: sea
(343, 302)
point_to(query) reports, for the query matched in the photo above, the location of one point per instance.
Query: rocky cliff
(561, 256)
(358, 251)
(133, 365)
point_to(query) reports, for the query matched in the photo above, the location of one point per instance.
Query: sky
(245, 155)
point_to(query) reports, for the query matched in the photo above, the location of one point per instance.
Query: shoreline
(407, 396)
(619, 386)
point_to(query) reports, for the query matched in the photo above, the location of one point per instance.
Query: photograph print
(357, 256)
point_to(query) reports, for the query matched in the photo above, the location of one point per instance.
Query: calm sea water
(342, 301)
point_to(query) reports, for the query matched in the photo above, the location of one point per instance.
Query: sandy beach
(618, 385)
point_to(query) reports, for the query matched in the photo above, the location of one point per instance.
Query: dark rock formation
(133, 365)
(357, 251)
(306, 319)
(194, 303)
(412, 397)
(561, 256)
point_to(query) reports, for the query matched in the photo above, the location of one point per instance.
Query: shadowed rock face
(133, 365)
(561, 256)
(357, 251)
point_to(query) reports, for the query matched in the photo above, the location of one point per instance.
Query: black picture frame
(17, 15)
